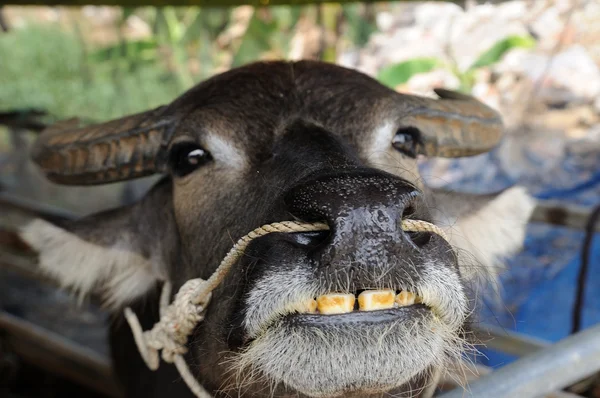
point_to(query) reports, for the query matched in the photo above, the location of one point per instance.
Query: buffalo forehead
(252, 104)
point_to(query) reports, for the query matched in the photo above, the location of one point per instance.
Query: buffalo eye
(186, 157)
(408, 141)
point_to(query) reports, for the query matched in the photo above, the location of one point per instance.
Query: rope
(178, 319)
(586, 253)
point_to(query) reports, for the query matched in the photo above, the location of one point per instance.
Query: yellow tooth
(311, 306)
(306, 307)
(405, 298)
(371, 300)
(336, 303)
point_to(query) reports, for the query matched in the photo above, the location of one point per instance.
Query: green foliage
(497, 51)
(400, 73)
(270, 31)
(360, 27)
(49, 69)
(257, 39)
(138, 51)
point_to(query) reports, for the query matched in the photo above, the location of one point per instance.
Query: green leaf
(467, 81)
(144, 50)
(498, 50)
(396, 74)
(360, 27)
(286, 17)
(127, 12)
(37, 77)
(174, 26)
(256, 41)
(192, 27)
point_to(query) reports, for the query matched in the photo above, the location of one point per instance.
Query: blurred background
(537, 62)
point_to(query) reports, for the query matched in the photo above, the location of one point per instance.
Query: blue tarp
(541, 303)
(539, 286)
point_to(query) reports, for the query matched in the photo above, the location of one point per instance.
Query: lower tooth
(404, 299)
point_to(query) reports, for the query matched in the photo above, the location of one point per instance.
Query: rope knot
(177, 322)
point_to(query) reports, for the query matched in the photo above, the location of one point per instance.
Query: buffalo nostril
(408, 212)
(420, 239)
(311, 239)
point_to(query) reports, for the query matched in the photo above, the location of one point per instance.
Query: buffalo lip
(362, 318)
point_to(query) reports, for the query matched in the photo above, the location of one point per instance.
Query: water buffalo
(363, 309)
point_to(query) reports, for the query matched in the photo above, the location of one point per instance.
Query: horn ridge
(112, 151)
(491, 119)
(455, 125)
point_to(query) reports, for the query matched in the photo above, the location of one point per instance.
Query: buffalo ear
(119, 254)
(484, 228)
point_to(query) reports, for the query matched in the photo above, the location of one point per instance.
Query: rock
(384, 21)
(571, 75)
(548, 25)
(597, 105)
(566, 119)
(587, 143)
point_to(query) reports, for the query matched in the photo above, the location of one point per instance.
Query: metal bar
(541, 373)
(24, 119)
(10, 202)
(3, 24)
(508, 341)
(562, 394)
(502, 340)
(555, 213)
(548, 212)
(58, 355)
(461, 374)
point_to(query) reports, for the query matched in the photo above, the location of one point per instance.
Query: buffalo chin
(320, 358)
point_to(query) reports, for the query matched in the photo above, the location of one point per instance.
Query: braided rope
(178, 319)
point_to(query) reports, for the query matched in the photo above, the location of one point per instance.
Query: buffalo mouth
(439, 296)
(374, 307)
(323, 342)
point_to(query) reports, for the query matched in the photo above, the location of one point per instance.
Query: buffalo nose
(364, 210)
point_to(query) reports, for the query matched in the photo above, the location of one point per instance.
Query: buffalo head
(362, 309)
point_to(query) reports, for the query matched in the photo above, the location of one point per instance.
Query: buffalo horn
(455, 125)
(118, 150)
